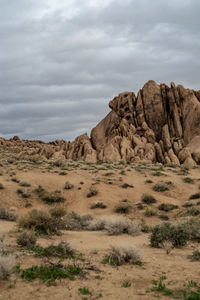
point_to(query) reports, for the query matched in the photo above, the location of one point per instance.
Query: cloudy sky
(61, 61)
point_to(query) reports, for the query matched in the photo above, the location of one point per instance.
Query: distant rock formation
(160, 124)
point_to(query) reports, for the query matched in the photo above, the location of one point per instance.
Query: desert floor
(101, 281)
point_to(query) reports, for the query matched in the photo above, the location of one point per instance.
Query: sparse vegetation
(195, 196)
(68, 185)
(50, 274)
(26, 239)
(7, 215)
(92, 191)
(118, 256)
(98, 205)
(167, 207)
(148, 199)
(6, 266)
(160, 187)
(41, 221)
(188, 180)
(122, 208)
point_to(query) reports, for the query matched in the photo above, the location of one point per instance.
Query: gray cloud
(62, 62)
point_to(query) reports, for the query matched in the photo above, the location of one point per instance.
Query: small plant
(157, 173)
(92, 191)
(167, 246)
(160, 286)
(54, 197)
(148, 181)
(188, 180)
(195, 256)
(148, 199)
(6, 266)
(195, 196)
(57, 211)
(50, 274)
(122, 208)
(167, 207)
(118, 256)
(24, 193)
(62, 173)
(192, 212)
(84, 291)
(149, 212)
(62, 250)
(163, 217)
(68, 185)
(24, 184)
(160, 187)
(98, 205)
(126, 284)
(7, 215)
(75, 222)
(26, 239)
(126, 185)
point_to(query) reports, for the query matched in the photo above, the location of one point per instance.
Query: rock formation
(160, 124)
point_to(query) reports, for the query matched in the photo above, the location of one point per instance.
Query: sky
(62, 61)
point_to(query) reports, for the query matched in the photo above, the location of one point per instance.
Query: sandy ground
(105, 281)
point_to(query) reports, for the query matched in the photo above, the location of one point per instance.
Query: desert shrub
(167, 207)
(192, 226)
(41, 221)
(163, 217)
(148, 181)
(24, 193)
(192, 212)
(120, 225)
(176, 234)
(160, 187)
(149, 212)
(167, 246)
(195, 256)
(62, 173)
(51, 273)
(39, 190)
(59, 163)
(73, 221)
(68, 185)
(126, 185)
(122, 208)
(6, 266)
(195, 196)
(140, 206)
(57, 211)
(98, 205)
(118, 256)
(187, 204)
(1, 186)
(148, 199)
(7, 215)
(62, 250)
(52, 197)
(188, 180)
(26, 239)
(97, 224)
(24, 184)
(92, 191)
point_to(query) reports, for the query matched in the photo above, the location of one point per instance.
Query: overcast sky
(61, 61)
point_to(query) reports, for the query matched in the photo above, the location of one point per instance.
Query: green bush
(176, 234)
(41, 221)
(26, 239)
(50, 273)
(148, 199)
(160, 187)
(167, 207)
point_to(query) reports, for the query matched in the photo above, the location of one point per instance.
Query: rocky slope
(160, 124)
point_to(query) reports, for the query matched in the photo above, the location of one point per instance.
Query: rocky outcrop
(159, 124)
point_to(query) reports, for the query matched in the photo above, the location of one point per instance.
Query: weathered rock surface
(160, 124)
